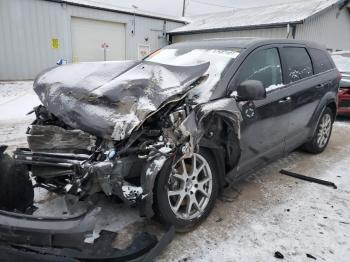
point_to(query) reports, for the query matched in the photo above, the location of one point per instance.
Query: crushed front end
(77, 165)
(86, 143)
(79, 168)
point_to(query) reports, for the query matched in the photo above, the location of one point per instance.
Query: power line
(205, 3)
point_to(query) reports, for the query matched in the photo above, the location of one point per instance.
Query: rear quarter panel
(329, 98)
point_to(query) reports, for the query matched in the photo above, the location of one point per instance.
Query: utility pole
(134, 22)
(184, 8)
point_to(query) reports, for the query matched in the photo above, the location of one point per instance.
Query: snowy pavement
(272, 212)
(16, 100)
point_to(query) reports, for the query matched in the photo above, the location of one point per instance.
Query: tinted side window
(263, 65)
(321, 61)
(298, 63)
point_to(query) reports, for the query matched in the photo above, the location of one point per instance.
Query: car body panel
(306, 99)
(269, 115)
(296, 120)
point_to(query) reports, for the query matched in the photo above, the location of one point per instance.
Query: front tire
(186, 192)
(319, 141)
(16, 190)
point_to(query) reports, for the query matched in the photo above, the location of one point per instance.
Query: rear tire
(319, 141)
(186, 193)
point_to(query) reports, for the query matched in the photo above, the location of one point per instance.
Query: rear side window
(321, 61)
(264, 66)
(298, 63)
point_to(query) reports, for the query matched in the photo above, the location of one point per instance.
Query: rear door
(263, 131)
(305, 86)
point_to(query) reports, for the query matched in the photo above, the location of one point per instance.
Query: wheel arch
(328, 100)
(333, 106)
(223, 143)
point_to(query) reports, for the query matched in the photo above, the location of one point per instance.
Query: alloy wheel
(189, 187)
(324, 130)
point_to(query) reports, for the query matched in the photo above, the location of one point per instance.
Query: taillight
(342, 92)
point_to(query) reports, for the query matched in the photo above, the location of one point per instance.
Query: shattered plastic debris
(90, 239)
(310, 256)
(278, 255)
(156, 165)
(131, 192)
(165, 150)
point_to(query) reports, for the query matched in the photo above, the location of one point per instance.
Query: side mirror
(250, 90)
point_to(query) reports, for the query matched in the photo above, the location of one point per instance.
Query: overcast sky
(193, 7)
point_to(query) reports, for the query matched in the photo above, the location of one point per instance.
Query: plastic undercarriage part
(56, 239)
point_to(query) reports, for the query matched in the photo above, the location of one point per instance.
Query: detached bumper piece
(307, 178)
(55, 239)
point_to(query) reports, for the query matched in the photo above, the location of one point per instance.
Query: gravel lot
(270, 212)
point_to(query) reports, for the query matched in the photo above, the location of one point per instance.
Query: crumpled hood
(110, 99)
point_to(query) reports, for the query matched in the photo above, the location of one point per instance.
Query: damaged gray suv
(168, 133)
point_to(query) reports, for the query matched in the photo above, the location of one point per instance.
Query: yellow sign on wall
(55, 43)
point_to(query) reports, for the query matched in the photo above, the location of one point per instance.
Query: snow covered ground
(16, 100)
(272, 212)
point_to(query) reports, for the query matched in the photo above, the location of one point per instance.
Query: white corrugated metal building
(323, 21)
(34, 34)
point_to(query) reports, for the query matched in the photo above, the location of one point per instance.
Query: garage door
(89, 36)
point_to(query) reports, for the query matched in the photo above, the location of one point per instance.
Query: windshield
(342, 61)
(219, 60)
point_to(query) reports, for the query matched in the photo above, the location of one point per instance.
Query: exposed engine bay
(71, 162)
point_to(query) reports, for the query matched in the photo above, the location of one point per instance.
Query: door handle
(285, 100)
(321, 85)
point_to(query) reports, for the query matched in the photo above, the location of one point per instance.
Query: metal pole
(184, 8)
(134, 22)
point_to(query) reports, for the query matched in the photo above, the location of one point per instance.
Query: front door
(307, 84)
(265, 122)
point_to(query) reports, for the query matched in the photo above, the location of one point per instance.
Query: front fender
(194, 124)
(203, 118)
(148, 179)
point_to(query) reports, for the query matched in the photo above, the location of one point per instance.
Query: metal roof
(257, 17)
(234, 42)
(240, 42)
(107, 5)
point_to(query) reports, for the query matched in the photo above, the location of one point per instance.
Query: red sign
(104, 45)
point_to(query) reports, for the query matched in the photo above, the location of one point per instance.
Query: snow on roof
(111, 5)
(279, 14)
